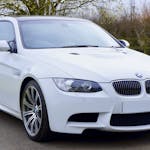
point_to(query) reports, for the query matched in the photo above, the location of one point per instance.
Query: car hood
(98, 64)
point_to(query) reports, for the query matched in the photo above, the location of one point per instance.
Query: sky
(138, 3)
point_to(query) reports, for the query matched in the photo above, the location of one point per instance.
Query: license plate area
(136, 106)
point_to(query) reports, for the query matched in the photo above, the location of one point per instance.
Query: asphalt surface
(13, 137)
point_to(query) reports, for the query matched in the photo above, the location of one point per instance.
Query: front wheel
(34, 112)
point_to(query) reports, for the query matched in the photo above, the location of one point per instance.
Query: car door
(9, 70)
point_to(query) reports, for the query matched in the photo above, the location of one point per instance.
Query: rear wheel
(34, 112)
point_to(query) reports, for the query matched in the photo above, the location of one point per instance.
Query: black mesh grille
(84, 117)
(130, 119)
(127, 87)
(147, 85)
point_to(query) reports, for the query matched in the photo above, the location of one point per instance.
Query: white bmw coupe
(67, 75)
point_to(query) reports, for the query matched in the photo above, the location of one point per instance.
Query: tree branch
(76, 7)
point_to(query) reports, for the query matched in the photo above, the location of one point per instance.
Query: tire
(34, 112)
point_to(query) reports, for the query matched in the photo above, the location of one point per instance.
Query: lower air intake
(138, 119)
(84, 117)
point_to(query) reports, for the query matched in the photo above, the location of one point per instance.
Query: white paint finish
(136, 106)
(102, 65)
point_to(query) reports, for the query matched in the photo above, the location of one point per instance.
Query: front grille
(138, 119)
(127, 87)
(84, 117)
(147, 86)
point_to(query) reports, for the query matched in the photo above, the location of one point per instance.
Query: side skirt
(10, 111)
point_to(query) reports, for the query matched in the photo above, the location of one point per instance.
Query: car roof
(26, 18)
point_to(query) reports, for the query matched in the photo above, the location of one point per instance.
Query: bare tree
(43, 7)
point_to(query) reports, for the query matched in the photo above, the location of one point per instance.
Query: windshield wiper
(72, 46)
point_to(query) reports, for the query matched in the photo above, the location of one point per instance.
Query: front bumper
(62, 105)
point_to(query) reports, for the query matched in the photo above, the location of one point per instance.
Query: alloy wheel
(32, 110)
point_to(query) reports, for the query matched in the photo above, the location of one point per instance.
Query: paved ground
(13, 137)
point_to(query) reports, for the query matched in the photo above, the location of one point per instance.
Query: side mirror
(4, 46)
(125, 43)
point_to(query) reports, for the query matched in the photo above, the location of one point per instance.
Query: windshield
(41, 34)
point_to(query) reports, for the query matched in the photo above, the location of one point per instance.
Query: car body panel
(103, 63)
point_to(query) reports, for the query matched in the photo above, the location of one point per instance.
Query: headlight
(76, 85)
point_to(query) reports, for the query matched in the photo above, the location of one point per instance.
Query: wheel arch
(23, 84)
(44, 134)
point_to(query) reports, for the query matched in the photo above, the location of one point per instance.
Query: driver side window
(7, 31)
